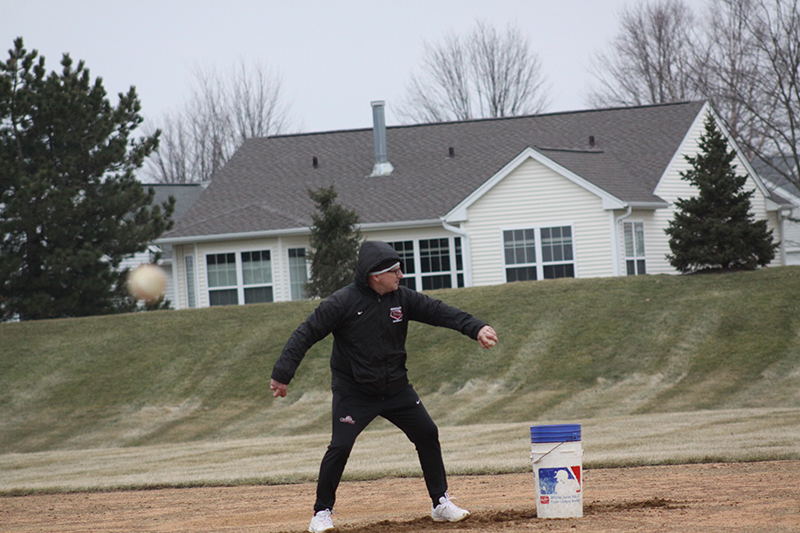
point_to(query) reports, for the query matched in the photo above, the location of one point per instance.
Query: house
(782, 188)
(575, 194)
(185, 194)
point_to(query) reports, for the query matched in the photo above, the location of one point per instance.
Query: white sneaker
(322, 521)
(447, 511)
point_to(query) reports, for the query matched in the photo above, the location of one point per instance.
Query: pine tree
(70, 207)
(716, 229)
(334, 241)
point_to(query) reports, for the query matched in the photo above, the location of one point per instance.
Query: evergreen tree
(715, 229)
(334, 242)
(70, 207)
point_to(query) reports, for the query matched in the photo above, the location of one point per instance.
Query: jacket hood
(372, 255)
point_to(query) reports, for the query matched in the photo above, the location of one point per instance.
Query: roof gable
(264, 187)
(459, 213)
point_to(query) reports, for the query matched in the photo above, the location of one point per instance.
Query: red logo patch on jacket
(396, 313)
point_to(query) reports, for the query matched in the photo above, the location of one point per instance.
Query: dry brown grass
(728, 435)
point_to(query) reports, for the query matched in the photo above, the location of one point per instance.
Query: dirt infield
(746, 497)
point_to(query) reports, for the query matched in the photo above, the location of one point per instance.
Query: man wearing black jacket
(369, 321)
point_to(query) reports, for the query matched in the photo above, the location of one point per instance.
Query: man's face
(386, 282)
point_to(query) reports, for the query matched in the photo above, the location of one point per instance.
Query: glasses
(396, 272)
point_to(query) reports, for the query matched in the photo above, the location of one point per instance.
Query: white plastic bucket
(557, 460)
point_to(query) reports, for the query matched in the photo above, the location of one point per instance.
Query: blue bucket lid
(556, 433)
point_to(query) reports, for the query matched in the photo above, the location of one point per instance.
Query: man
(369, 321)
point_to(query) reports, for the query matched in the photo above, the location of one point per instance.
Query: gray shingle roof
(264, 185)
(185, 194)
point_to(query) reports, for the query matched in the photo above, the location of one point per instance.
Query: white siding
(535, 196)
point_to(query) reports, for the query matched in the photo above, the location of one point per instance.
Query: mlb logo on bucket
(560, 481)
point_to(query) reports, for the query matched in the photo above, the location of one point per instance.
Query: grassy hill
(569, 350)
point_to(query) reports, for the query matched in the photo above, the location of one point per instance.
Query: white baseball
(147, 282)
(489, 343)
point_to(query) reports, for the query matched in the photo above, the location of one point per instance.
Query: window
(634, 248)
(459, 262)
(298, 273)
(190, 296)
(222, 282)
(552, 246)
(257, 277)
(225, 271)
(434, 257)
(429, 263)
(520, 249)
(557, 253)
(406, 251)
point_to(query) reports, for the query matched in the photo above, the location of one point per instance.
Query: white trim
(540, 263)
(648, 205)
(197, 239)
(459, 212)
(418, 275)
(175, 282)
(615, 263)
(466, 250)
(239, 265)
(619, 252)
(370, 226)
(288, 297)
(635, 258)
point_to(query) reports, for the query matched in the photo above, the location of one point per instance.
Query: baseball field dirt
(731, 497)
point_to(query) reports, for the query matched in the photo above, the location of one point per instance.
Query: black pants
(352, 413)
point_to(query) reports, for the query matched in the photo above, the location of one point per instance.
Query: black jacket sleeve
(316, 327)
(437, 313)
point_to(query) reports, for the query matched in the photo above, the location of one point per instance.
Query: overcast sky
(334, 57)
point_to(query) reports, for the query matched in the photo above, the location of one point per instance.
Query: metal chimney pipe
(382, 165)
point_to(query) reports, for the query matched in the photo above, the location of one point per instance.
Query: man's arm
(437, 313)
(315, 328)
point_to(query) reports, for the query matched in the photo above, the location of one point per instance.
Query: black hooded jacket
(369, 330)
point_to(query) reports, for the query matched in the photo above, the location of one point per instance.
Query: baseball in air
(147, 282)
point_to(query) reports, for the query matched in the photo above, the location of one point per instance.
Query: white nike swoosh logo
(360, 313)
(418, 402)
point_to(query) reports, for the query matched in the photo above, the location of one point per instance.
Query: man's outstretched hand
(487, 337)
(277, 388)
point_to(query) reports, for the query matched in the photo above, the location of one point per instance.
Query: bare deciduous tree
(222, 112)
(744, 58)
(775, 30)
(481, 75)
(651, 60)
(727, 68)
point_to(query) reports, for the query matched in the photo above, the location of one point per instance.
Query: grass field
(657, 369)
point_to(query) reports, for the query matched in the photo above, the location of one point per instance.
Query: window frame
(190, 275)
(636, 260)
(417, 278)
(241, 289)
(541, 267)
(292, 282)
